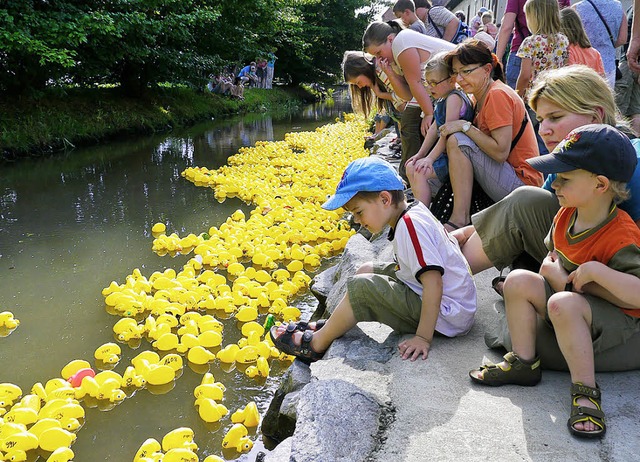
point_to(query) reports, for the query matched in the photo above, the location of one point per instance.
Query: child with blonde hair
(587, 286)
(488, 25)
(580, 49)
(546, 48)
(430, 162)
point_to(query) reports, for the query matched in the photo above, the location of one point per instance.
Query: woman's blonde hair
(579, 90)
(572, 27)
(543, 16)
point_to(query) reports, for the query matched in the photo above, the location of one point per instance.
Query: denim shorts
(441, 167)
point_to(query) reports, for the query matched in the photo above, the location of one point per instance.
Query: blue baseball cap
(366, 174)
(596, 148)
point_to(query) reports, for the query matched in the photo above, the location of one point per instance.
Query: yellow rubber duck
(54, 438)
(7, 320)
(26, 415)
(213, 458)
(247, 354)
(200, 355)
(166, 342)
(249, 415)
(158, 228)
(126, 329)
(174, 361)
(246, 314)
(252, 326)
(148, 449)
(61, 455)
(72, 367)
(9, 394)
(131, 378)
(159, 374)
(187, 341)
(22, 441)
(209, 410)
(108, 353)
(15, 455)
(210, 339)
(210, 391)
(44, 424)
(180, 455)
(181, 437)
(236, 438)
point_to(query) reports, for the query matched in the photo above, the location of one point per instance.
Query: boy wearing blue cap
(427, 289)
(588, 285)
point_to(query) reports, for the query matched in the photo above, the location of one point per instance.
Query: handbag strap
(613, 42)
(435, 26)
(520, 132)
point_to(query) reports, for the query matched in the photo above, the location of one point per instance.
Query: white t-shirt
(408, 38)
(420, 244)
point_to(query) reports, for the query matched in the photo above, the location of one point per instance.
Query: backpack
(461, 34)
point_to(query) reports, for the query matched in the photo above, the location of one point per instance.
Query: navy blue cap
(596, 148)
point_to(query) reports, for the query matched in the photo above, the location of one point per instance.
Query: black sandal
(586, 414)
(305, 325)
(285, 343)
(498, 280)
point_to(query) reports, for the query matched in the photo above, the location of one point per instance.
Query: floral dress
(545, 52)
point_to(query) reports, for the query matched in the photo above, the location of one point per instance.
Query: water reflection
(71, 224)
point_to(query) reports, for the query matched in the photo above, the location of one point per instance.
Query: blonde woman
(546, 48)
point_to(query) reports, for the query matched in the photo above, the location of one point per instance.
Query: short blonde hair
(619, 190)
(437, 64)
(543, 16)
(577, 89)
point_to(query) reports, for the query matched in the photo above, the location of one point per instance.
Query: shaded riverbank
(77, 117)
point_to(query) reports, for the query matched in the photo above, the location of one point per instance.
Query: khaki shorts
(627, 91)
(518, 223)
(381, 297)
(610, 326)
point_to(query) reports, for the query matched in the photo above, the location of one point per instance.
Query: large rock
(336, 421)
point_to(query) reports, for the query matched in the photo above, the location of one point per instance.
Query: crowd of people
(257, 74)
(550, 138)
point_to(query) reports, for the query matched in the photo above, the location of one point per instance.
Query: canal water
(71, 224)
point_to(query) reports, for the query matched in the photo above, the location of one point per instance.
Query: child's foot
(511, 371)
(290, 340)
(587, 419)
(311, 325)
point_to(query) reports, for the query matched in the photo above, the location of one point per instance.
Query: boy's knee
(566, 306)
(365, 268)
(520, 283)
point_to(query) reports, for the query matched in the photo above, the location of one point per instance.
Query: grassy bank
(55, 122)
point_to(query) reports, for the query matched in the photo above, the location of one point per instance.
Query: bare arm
(398, 82)
(624, 288)
(409, 62)
(508, 21)
(451, 29)
(633, 52)
(623, 33)
(420, 344)
(524, 77)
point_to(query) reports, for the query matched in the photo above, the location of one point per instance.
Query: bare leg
(570, 314)
(474, 252)
(419, 184)
(524, 297)
(461, 176)
(339, 323)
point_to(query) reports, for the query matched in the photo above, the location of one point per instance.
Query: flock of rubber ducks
(248, 269)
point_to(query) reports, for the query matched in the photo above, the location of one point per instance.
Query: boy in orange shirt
(588, 285)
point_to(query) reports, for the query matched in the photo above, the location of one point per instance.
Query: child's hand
(553, 271)
(414, 347)
(424, 166)
(585, 274)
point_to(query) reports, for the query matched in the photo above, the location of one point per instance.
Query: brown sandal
(515, 372)
(586, 414)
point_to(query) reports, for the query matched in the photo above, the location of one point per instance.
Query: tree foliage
(139, 43)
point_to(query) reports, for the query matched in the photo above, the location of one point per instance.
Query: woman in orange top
(494, 149)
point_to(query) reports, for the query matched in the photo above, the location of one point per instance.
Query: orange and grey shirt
(615, 242)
